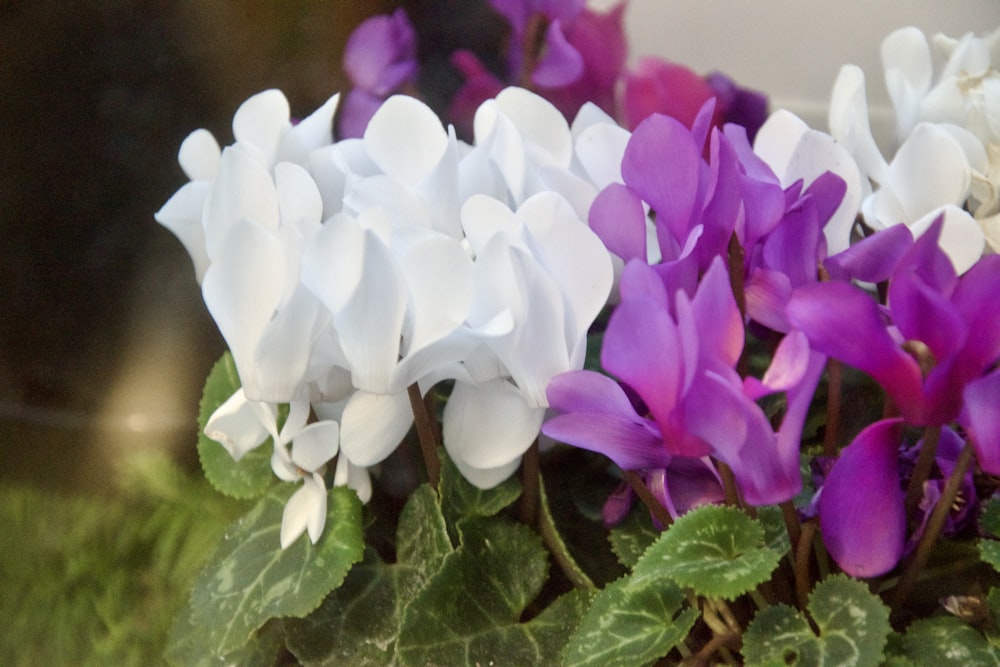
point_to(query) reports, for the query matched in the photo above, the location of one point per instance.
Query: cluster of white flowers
(948, 136)
(342, 273)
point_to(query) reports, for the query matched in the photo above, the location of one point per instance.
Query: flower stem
(933, 530)
(923, 469)
(654, 506)
(802, 549)
(729, 486)
(425, 433)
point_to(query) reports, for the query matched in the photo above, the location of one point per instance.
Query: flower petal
(199, 155)
(305, 509)
(316, 444)
(489, 425)
(406, 139)
(861, 506)
(373, 425)
(236, 426)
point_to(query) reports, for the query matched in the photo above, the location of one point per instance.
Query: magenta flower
(380, 59)
(561, 49)
(677, 353)
(942, 333)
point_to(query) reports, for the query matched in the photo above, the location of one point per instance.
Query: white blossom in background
(341, 274)
(947, 131)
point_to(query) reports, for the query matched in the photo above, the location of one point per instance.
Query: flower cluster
(731, 274)
(947, 128)
(344, 274)
(569, 52)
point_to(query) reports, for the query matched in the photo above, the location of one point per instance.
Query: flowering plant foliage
(464, 359)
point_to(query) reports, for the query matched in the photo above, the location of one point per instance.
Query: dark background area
(104, 339)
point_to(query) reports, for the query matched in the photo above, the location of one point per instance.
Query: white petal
(777, 139)
(542, 126)
(243, 189)
(962, 238)
(181, 214)
(370, 323)
(487, 478)
(235, 425)
(354, 477)
(906, 50)
(299, 200)
(849, 122)
(281, 359)
(316, 444)
(573, 255)
(199, 155)
(815, 154)
(489, 425)
(405, 139)
(312, 132)
(438, 274)
(262, 120)
(600, 149)
(332, 263)
(484, 216)
(498, 137)
(929, 170)
(243, 287)
(373, 426)
(306, 509)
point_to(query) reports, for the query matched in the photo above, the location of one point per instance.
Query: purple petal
(717, 316)
(767, 292)
(792, 246)
(976, 299)
(861, 506)
(982, 419)
(843, 322)
(723, 204)
(874, 258)
(924, 314)
(638, 349)
(381, 53)
(618, 218)
(671, 186)
(561, 63)
(745, 107)
(629, 441)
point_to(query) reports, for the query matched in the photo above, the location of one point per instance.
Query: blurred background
(104, 340)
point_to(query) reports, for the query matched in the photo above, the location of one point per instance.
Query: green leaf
(631, 538)
(469, 613)
(359, 622)
(989, 520)
(853, 629)
(251, 476)
(557, 546)
(630, 623)
(945, 640)
(717, 551)
(460, 498)
(251, 579)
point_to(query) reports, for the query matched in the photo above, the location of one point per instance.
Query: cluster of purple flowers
(566, 51)
(726, 231)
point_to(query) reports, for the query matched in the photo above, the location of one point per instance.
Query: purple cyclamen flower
(380, 59)
(677, 353)
(941, 337)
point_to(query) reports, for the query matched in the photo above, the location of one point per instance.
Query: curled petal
(861, 506)
(236, 426)
(306, 509)
(406, 139)
(316, 444)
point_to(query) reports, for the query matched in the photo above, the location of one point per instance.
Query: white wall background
(793, 49)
